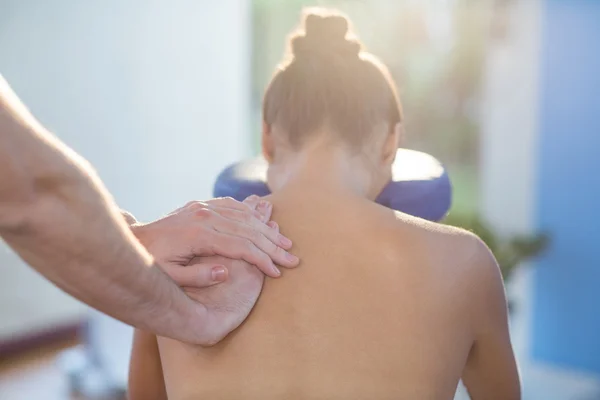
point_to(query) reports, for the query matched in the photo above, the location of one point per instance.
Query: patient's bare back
(380, 308)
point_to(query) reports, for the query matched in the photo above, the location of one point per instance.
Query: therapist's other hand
(224, 227)
(199, 275)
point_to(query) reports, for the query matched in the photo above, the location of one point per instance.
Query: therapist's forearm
(55, 213)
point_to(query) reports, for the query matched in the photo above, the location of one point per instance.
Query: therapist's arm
(56, 214)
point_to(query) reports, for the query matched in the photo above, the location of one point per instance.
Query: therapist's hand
(224, 227)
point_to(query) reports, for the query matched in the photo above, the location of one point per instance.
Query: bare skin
(385, 306)
(57, 216)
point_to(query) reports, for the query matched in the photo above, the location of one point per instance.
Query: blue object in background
(420, 185)
(566, 299)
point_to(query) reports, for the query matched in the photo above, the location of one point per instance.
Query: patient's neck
(324, 169)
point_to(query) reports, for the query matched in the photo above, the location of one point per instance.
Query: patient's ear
(394, 140)
(267, 142)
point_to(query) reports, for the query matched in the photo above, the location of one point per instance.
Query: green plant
(510, 252)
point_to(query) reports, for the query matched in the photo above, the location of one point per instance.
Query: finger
(232, 204)
(273, 225)
(199, 275)
(257, 234)
(272, 234)
(265, 209)
(262, 207)
(189, 204)
(240, 248)
(252, 201)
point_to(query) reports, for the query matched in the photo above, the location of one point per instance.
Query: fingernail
(219, 274)
(285, 241)
(291, 258)
(262, 206)
(273, 225)
(276, 271)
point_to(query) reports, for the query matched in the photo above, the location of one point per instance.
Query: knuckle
(194, 204)
(203, 212)
(229, 200)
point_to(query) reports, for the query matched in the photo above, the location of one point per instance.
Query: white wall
(154, 93)
(510, 122)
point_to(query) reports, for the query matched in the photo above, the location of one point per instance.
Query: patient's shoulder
(419, 226)
(451, 253)
(447, 242)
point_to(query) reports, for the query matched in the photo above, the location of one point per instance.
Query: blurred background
(161, 95)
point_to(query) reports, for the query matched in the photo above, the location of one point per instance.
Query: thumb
(198, 275)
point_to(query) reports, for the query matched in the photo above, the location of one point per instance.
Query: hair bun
(325, 34)
(334, 27)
